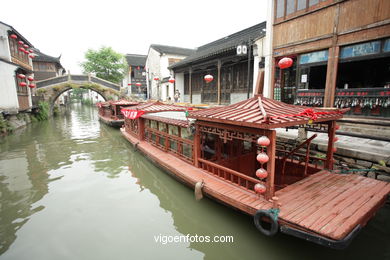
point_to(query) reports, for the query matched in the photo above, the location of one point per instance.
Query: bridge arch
(51, 89)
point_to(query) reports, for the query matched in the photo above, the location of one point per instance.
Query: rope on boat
(275, 213)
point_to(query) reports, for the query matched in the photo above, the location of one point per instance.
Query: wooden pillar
(219, 65)
(190, 84)
(197, 145)
(331, 76)
(141, 128)
(271, 148)
(329, 153)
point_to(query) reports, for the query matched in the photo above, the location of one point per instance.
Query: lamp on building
(138, 84)
(285, 63)
(208, 78)
(171, 80)
(13, 36)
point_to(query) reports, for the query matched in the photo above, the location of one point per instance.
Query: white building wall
(8, 96)
(153, 67)
(268, 49)
(179, 77)
(4, 44)
(258, 56)
(157, 65)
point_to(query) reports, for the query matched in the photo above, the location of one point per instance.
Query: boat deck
(111, 122)
(331, 204)
(326, 204)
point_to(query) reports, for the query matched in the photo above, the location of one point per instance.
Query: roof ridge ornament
(266, 118)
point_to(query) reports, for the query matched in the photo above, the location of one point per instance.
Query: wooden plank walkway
(326, 204)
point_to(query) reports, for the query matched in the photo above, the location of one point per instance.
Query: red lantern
(21, 76)
(31, 50)
(22, 49)
(138, 84)
(13, 36)
(171, 80)
(31, 85)
(156, 78)
(20, 42)
(208, 78)
(263, 141)
(26, 52)
(25, 46)
(262, 158)
(32, 56)
(337, 127)
(22, 84)
(30, 78)
(285, 63)
(260, 188)
(129, 84)
(261, 173)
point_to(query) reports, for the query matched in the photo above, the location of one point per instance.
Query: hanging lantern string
(310, 113)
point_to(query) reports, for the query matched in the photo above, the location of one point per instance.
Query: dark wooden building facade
(135, 80)
(46, 66)
(341, 53)
(232, 81)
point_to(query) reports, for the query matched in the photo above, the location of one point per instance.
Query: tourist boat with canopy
(231, 155)
(109, 112)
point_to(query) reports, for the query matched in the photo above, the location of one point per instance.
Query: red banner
(132, 114)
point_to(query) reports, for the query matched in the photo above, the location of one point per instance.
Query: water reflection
(72, 188)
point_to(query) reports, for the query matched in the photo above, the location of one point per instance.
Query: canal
(73, 188)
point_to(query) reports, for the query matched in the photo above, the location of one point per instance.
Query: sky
(69, 28)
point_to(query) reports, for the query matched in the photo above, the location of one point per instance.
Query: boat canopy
(265, 113)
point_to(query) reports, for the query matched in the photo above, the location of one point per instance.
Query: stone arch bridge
(50, 89)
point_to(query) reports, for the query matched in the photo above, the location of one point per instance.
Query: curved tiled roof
(265, 113)
(224, 44)
(123, 102)
(135, 59)
(151, 107)
(172, 50)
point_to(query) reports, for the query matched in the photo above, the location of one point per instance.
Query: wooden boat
(109, 112)
(232, 152)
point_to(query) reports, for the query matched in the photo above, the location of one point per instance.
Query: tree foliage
(105, 63)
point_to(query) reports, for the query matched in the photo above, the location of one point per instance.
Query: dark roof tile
(135, 59)
(172, 49)
(224, 44)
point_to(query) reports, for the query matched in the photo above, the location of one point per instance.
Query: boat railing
(183, 148)
(230, 175)
(296, 156)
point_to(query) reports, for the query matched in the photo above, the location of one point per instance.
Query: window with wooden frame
(286, 9)
(21, 90)
(15, 52)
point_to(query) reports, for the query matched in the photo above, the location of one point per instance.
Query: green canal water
(73, 188)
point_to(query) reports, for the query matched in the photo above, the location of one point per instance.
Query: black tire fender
(257, 218)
